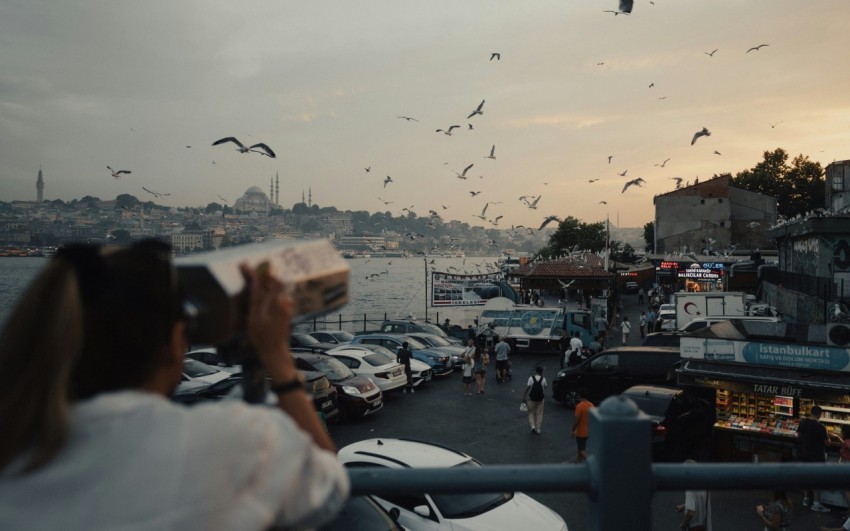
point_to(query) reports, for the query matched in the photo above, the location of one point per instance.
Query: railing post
(621, 484)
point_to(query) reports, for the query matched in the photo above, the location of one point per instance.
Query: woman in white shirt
(90, 440)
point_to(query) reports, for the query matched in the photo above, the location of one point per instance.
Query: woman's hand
(269, 322)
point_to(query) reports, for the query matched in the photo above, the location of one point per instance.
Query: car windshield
(342, 336)
(380, 349)
(437, 341)
(305, 339)
(377, 360)
(468, 505)
(197, 369)
(431, 329)
(332, 368)
(655, 406)
(414, 343)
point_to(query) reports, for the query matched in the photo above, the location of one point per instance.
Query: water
(397, 293)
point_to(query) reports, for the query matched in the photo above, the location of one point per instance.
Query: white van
(705, 322)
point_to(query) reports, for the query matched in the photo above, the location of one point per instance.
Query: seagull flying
(772, 126)
(704, 132)
(473, 194)
(477, 110)
(678, 181)
(711, 54)
(532, 204)
(717, 152)
(753, 224)
(263, 149)
(663, 163)
(117, 174)
(759, 47)
(624, 173)
(635, 182)
(223, 199)
(592, 180)
(408, 118)
(387, 181)
(609, 158)
(492, 154)
(447, 131)
(383, 201)
(603, 202)
(368, 169)
(548, 220)
(496, 55)
(155, 194)
(463, 175)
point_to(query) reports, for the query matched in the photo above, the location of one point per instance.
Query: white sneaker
(816, 506)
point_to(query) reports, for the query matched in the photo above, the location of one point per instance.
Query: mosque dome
(253, 200)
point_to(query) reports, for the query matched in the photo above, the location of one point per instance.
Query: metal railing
(620, 448)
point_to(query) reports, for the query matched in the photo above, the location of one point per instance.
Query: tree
(798, 188)
(571, 233)
(649, 236)
(126, 200)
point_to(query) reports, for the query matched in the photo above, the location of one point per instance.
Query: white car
(451, 512)
(198, 374)
(420, 370)
(335, 337)
(382, 369)
(668, 321)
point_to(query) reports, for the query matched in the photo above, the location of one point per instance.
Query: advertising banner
(448, 289)
(797, 356)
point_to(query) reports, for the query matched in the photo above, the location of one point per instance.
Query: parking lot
(491, 428)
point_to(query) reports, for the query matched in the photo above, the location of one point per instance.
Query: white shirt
(532, 378)
(135, 461)
(698, 502)
(575, 343)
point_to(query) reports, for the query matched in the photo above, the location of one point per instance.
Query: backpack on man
(536, 392)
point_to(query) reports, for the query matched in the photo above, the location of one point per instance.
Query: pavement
(491, 428)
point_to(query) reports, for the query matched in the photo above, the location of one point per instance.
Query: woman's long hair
(90, 322)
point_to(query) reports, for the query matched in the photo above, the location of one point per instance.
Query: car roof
(638, 349)
(652, 391)
(401, 453)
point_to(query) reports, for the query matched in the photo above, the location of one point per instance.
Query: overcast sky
(131, 84)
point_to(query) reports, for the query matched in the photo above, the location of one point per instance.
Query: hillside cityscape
(256, 216)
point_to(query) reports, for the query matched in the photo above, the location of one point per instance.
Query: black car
(681, 421)
(613, 371)
(357, 396)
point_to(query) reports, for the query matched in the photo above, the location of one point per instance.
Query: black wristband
(285, 387)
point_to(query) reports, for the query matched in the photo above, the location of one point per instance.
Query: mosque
(255, 200)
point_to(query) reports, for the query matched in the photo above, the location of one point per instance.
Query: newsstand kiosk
(766, 376)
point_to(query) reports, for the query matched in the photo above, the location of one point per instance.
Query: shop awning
(765, 380)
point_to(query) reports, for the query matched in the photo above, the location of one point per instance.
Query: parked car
(668, 320)
(309, 342)
(335, 337)
(406, 326)
(357, 396)
(197, 374)
(420, 371)
(211, 357)
(613, 371)
(439, 342)
(451, 512)
(631, 287)
(362, 513)
(440, 361)
(681, 422)
(670, 338)
(316, 384)
(383, 369)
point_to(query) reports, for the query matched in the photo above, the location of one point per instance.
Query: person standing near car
(533, 398)
(481, 359)
(642, 324)
(503, 351)
(403, 356)
(813, 440)
(626, 327)
(468, 365)
(581, 425)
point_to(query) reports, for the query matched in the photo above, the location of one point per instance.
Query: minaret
(277, 189)
(39, 187)
(302, 197)
(271, 189)
(310, 196)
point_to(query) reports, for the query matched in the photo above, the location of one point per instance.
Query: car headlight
(561, 374)
(350, 390)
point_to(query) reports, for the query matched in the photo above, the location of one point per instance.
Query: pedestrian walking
(533, 398)
(650, 320)
(640, 296)
(403, 356)
(696, 511)
(503, 351)
(776, 516)
(626, 327)
(642, 324)
(581, 425)
(468, 365)
(480, 361)
(813, 439)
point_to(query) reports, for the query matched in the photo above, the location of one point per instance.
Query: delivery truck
(692, 305)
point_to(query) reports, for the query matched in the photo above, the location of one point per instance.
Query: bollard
(620, 463)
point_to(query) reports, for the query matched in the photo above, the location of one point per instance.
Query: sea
(378, 287)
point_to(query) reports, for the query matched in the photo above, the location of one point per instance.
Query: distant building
(192, 240)
(837, 177)
(712, 216)
(39, 187)
(253, 200)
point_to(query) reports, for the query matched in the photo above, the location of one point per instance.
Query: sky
(148, 86)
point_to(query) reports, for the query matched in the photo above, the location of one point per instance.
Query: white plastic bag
(523, 406)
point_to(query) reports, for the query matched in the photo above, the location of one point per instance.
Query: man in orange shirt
(580, 426)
